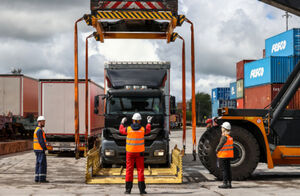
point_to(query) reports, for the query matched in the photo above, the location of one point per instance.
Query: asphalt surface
(66, 176)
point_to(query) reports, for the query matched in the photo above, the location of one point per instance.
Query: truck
(131, 87)
(18, 106)
(56, 104)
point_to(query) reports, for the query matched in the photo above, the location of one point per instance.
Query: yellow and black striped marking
(180, 20)
(174, 36)
(133, 15)
(96, 36)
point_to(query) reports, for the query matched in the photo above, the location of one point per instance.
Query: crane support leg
(76, 89)
(193, 88)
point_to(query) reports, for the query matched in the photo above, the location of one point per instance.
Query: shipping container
(216, 104)
(240, 103)
(240, 69)
(269, 70)
(260, 97)
(220, 93)
(57, 105)
(240, 89)
(296, 100)
(233, 90)
(18, 95)
(284, 44)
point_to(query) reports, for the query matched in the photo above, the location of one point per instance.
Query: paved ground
(67, 178)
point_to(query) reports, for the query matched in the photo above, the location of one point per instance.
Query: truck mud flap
(95, 174)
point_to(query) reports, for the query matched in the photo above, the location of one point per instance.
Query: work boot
(142, 187)
(224, 185)
(128, 187)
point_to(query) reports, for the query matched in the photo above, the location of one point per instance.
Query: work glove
(123, 120)
(149, 119)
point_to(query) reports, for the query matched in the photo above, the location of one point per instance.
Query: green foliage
(203, 107)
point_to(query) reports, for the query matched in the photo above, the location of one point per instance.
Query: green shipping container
(240, 89)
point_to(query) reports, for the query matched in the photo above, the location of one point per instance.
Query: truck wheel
(246, 152)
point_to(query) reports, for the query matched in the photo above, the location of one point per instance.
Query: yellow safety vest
(36, 144)
(227, 149)
(135, 140)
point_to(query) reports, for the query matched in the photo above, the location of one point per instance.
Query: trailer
(56, 103)
(18, 105)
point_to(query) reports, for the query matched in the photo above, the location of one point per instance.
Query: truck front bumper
(156, 153)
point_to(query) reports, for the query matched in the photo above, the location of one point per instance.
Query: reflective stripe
(134, 144)
(135, 139)
(228, 145)
(40, 175)
(226, 149)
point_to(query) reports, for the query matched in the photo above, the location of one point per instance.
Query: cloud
(37, 36)
(37, 20)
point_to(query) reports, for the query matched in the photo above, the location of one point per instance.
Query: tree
(16, 71)
(203, 107)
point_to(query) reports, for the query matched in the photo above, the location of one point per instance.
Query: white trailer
(56, 103)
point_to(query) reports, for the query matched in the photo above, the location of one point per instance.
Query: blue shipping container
(220, 104)
(284, 44)
(268, 70)
(233, 90)
(220, 93)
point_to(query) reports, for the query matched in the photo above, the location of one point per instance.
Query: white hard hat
(137, 116)
(227, 126)
(40, 118)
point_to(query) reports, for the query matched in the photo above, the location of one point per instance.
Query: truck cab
(147, 93)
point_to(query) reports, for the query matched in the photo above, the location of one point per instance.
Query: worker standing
(225, 154)
(39, 147)
(135, 149)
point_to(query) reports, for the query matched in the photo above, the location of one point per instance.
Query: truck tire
(206, 149)
(246, 152)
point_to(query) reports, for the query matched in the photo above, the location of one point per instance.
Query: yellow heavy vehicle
(269, 136)
(131, 19)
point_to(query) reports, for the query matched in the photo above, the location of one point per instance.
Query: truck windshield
(130, 105)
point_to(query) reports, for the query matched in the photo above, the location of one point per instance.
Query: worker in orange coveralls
(135, 148)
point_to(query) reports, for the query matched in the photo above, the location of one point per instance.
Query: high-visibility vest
(227, 150)
(36, 144)
(135, 140)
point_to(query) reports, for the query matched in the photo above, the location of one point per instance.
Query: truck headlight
(159, 153)
(109, 153)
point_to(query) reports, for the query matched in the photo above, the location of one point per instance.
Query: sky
(38, 37)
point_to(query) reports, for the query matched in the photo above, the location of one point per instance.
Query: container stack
(264, 78)
(221, 98)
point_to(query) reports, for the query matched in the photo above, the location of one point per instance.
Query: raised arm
(148, 129)
(122, 128)
(148, 126)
